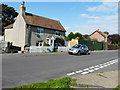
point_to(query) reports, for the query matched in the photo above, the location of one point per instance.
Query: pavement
(22, 69)
(107, 79)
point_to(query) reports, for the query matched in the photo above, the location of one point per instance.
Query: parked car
(78, 49)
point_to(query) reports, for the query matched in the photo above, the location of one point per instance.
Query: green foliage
(60, 83)
(77, 38)
(118, 87)
(49, 50)
(101, 75)
(56, 50)
(119, 44)
(77, 35)
(115, 38)
(71, 35)
(60, 41)
(45, 44)
(82, 85)
(8, 16)
(86, 37)
(106, 32)
(67, 38)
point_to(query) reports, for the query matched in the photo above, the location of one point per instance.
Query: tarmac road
(22, 69)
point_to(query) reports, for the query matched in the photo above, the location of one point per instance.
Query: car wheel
(79, 52)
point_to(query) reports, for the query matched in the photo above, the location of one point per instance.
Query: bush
(45, 44)
(60, 41)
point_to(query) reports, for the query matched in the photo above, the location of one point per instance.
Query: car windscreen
(76, 46)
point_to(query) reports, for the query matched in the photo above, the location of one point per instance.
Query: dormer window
(57, 33)
(40, 30)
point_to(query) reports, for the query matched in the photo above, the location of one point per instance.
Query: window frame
(40, 30)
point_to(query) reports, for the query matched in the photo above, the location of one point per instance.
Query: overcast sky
(83, 17)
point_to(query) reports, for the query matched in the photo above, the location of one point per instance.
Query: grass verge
(101, 75)
(65, 82)
(118, 87)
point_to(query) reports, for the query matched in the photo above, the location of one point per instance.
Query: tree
(60, 41)
(106, 32)
(8, 16)
(115, 38)
(71, 35)
(86, 37)
(77, 35)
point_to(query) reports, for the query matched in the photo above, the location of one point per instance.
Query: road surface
(22, 69)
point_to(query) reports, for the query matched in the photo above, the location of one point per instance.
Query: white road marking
(93, 68)
(69, 74)
(96, 68)
(86, 69)
(79, 71)
(84, 73)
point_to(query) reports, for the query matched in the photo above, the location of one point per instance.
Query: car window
(76, 46)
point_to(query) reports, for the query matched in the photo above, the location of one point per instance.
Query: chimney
(22, 9)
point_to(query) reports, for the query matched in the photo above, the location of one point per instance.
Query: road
(20, 70)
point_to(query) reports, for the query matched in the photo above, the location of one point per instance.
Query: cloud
(91, 17)
(105, 6)
(66, 28)
(88, 29)
(111, 19)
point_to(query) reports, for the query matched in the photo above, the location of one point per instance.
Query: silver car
(78, 49)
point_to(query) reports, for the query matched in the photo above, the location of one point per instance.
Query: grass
(82, 85)
(65, 82)
(118, 87)
(101, 75)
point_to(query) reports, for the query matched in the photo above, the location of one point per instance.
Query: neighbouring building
(99, 36)
(32, 30)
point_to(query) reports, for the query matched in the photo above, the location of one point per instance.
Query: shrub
(45, 44)
(60, 41)
(49, 50)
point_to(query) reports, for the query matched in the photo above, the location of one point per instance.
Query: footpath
(107, 79)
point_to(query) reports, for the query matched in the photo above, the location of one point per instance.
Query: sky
(82, 17)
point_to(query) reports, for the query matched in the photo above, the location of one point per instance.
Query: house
(32, 30)
(99, 36)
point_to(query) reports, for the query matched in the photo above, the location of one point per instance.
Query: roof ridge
(43, 17)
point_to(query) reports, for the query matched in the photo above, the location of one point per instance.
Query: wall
(38, 49)
(33, 37)
(1, 38)
(63, 49)
(17, 34)
(97, 36)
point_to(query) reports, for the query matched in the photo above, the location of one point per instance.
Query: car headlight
(74, 50)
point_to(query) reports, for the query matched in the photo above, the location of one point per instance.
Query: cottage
(99, 36)
(32, 30)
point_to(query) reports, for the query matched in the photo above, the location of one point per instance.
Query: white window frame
(40, 30)
(57, 33)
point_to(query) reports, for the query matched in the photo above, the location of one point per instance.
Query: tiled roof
(103, 34)
(42, 22)
(9, 26)
(49, 35)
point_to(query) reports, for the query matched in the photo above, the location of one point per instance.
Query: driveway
(22, 69)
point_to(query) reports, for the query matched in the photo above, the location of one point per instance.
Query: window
(57, 33)
(39, 43)
(40, 30)
(47, 41)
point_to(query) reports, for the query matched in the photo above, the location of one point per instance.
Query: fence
(94, 45)
(62, 49)
(34, 49)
